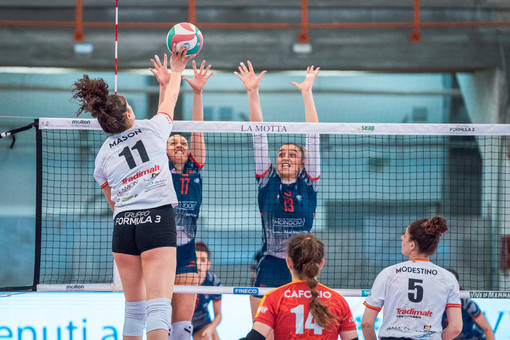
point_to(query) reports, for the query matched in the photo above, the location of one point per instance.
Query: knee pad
(159, 314)
(182, 330)
(135, 315)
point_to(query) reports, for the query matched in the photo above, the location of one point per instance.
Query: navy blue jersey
(188, 187)
(201, 317)
(285, 209)
(470, 312)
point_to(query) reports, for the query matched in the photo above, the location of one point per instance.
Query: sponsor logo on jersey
(192, 264)
(282, 225)
(140, 174)
(399, 328)
(288, 222)
(414, 270)
(125, 199)
(155, 185)
(413, 312)
(305, 293)
(262, 309)
(126, 188)
(187, 205)
(125, 137)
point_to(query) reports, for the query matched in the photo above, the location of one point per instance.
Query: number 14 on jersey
(301, 324)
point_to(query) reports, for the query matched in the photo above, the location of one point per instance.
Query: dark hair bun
(435, 226)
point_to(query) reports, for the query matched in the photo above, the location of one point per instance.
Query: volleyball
(187, 34)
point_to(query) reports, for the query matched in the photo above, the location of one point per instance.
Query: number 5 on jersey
(415, 290)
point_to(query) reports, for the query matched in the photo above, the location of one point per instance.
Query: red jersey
(286, 310)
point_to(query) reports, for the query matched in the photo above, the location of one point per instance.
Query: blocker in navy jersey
(188, 187)
(285, 209)
(201, 317)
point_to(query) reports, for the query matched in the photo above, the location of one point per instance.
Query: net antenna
(116, 284)
(116, 39)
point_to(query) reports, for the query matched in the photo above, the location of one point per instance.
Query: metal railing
(304, 26)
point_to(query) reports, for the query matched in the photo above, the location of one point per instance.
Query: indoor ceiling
(455, 35)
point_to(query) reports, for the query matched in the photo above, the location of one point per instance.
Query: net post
(38, 205)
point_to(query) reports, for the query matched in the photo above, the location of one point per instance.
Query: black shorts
(272, 272)
(137, 231)
(186, 258)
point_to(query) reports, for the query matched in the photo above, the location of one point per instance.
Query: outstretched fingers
(250, 66)
(247, 75)
(311, 74)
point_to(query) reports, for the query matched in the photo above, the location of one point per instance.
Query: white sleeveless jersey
(135, 165)
(414, 295)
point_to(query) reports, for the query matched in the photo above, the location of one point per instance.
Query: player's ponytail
(109, 110)
(307, 252)
(427, 232)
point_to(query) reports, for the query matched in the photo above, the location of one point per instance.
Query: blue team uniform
(470, 329)
(285, 209)
(201, 317)
(188, 187)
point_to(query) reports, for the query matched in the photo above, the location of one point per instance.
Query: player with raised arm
(186, 164)
(304, 308)
(415, 293)
(287, 193)
(132, 169)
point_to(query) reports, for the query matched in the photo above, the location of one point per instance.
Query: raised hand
(160, 70)
(307, 84)
(200, 77)
(179, 59)
(247, 75)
